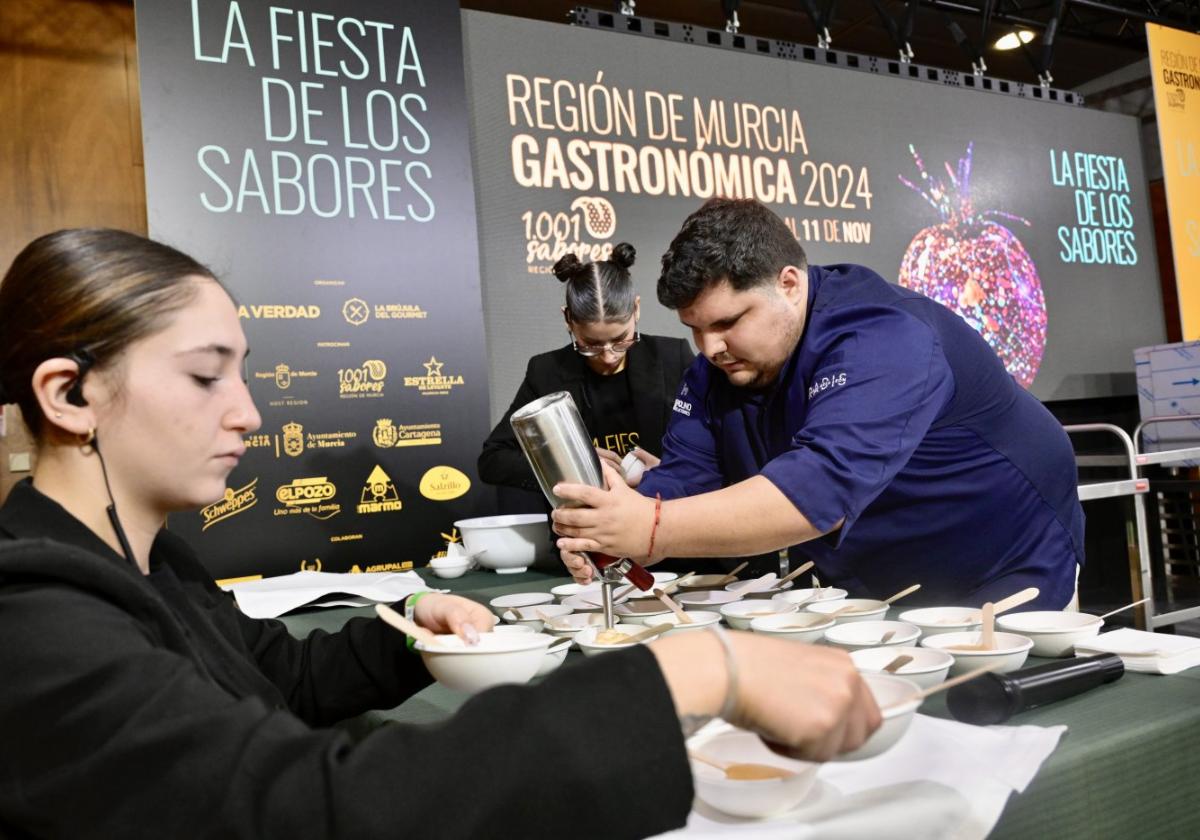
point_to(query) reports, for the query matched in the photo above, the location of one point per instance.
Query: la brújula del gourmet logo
(978, 268)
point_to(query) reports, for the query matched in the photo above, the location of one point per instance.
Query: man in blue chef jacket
(863, 424)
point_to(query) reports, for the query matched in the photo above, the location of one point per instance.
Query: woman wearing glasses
(622, 381)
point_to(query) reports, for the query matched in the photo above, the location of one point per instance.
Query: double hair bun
(570, 267)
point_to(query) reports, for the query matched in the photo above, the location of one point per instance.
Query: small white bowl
(708, 599)
(887, 690)
(739, 614)
(565, 590)
(499, 658)
(450, 567)
(934, 621)
(513, 628)
(640, 612)
(801, 597)
(1053, 633)
(811, 627)
(703, 582)
(555, 655)
(519, 599)
(928, 668)
(760, 798)
(864, 634)
(569, 625)
(660, 579)
(871, 609)
(1009, 654)
(532, 616)
(508, 544)
(586, 638)
(701, 620)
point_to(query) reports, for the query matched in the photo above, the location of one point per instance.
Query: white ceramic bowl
(706, 599)
(701, 620)
(1053, 633)
(499, 658)
(866, 609)
(450, 567)
(527, 601)
(936, 620)
(532, 616)
(804, 596)
(569, 625)
(928, 668)
(761, 798)
(739, 614)
(508, 544)
(660, 578)
(513, 628)
(758, 587)
(640, 612)
(1009, 654)
(554, 656)
(703, 582)
(898, 702)
(799, 627)
(864, 634)
(566, 590)
(586, 638)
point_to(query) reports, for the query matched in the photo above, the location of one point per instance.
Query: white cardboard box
(1168, 382)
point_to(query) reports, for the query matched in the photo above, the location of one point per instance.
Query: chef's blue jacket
(895, 418)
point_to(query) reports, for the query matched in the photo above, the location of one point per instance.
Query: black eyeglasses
(618, 347)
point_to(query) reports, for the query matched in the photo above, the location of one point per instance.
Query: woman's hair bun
(623, 255)
(569, 267)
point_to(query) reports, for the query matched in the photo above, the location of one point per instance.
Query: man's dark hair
(739, 240)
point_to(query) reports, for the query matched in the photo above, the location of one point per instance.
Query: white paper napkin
(942, 780)
(272, 597)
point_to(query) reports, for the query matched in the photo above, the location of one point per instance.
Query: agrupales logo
(550, 236)
(308, 495)
(234, 502)
(435, 382)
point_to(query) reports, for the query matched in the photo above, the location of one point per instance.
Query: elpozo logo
(279, 312)
(387, 435)
(308, 495)
(582, 230)
(442, 484)
(435, 382)
(234, 502)
(379, 494)
(366, 380)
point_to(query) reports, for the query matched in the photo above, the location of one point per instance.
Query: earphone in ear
(84, 360)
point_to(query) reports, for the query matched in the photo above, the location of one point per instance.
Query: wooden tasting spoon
(743, 771)
(732, 576)
(792, 575)
(897, 663)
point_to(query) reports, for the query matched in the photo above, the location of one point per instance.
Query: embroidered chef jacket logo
(824, 383)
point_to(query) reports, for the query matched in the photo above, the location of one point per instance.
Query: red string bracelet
(654, 529)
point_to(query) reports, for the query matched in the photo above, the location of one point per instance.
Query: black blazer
(655, 368)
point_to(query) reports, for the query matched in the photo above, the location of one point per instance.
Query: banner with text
(1175, 68)
(314, 153)
(1027, 218)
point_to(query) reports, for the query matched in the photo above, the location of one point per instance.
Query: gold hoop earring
(89, 438)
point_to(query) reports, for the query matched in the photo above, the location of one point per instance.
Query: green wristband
(410, 608)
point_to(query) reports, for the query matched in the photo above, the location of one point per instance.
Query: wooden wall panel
(70, 145)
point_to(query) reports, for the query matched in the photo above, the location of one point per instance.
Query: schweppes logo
(379, 493)
(366, 380)
(387, 435)
(444, 483)
(434, 382)
(234, 502)
(293, 439)
(279, 311)
(308, 495)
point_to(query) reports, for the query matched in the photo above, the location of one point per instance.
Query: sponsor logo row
(293, 439)
(354, 311)
(365, 381)
(318, 497)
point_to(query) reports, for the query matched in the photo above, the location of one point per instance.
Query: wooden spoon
(792, 575)
(950, 683)
(649, 633)
(405, 626)
(897, 663)
(678, 582)
(1122, 609)
(987, 629)
(886, 637)
(1022, 597)
(732, 576)
(683, 617)
(743, 771)
(903, 593)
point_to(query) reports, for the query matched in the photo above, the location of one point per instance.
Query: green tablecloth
(1123, 769)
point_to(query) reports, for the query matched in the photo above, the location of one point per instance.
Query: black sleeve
(108, 734)
(501, 461)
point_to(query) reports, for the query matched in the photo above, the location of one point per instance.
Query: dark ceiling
(1093, 37)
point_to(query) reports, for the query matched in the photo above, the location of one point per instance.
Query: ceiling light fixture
(1010, 42)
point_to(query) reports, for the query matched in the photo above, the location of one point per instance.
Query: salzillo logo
(233, 503)
(434, 383)
(444, 483)
(307, 495)
(366, 380)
